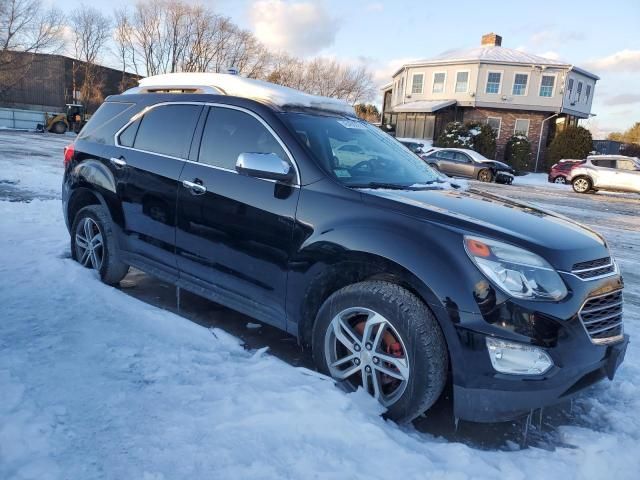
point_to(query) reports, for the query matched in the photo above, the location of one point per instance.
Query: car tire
(93, 244)
(582, 184)
(560, 179)
(485, 175)
(59, 128)
(411, 339)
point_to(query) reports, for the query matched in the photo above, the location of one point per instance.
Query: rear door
(605, 175)
(148, 158)
(234, 235)
(446, 162)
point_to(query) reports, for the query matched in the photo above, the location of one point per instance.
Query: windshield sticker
(341, 172)
(352, 124)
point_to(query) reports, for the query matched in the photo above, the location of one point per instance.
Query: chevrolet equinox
(398, 278)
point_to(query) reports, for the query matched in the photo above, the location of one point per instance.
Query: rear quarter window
(103, 124)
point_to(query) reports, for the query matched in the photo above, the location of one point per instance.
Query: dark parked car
(465, 163)
(561, 170)
(419, 148)
(398, 280)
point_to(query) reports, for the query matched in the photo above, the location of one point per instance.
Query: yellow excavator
(72, 119)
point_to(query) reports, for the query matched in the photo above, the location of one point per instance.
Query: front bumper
(505, 397)
(504, 177)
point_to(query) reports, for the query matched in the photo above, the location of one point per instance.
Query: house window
(570, 87)
(493, 82)
(546, 85)
(520, 84)
(417, 82)
(495, 123)
(438, 82)
(522, 127)
(579, 91)
(462, 82)
(587, 93)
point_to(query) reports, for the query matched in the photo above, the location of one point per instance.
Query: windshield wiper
(394, 186)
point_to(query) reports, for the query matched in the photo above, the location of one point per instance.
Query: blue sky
(600, 36)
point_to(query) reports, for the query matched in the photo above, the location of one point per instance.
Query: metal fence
(20, 119)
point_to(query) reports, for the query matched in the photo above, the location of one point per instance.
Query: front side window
(627, 165)
(378, 158)
(579, 91)
(520, 83)
(229, 132)
(522, 127)
(546, 85)
(493, 82)
(438, 82)
(495, 123)
(416, 85)
(168, 130)
(462, 82)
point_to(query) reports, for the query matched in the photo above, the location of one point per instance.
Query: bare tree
(25, 27)
(91, 31)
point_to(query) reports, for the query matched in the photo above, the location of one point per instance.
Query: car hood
(498, 165)
(559, 240)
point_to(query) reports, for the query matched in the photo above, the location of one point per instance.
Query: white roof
(237, 86)
(494, 54)
(423, 106)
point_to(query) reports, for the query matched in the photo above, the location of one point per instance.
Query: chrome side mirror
(264, 165)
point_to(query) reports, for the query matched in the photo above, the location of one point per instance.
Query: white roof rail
(237, 86)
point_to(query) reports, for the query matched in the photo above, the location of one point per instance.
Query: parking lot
(30, 175)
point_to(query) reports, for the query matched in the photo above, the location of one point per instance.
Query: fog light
(517, 358)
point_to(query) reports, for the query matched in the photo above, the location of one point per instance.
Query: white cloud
(375, 7)
(301, 28)
(550, 55)
(623, 99)
(554, 38)
(622, 61)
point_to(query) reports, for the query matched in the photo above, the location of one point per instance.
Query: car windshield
(360, 155)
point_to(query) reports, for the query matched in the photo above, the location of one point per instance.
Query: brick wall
(508, 125)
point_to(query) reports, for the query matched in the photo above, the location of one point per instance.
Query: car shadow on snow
(540, 429)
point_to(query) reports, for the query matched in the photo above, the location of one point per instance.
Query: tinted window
(127, 137)
(461, 157)
(446, 155)
(228, 133)
(168, 130)
(604, 163)
(101, 128)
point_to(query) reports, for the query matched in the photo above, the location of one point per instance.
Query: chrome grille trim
(602, 317)
(594, 269)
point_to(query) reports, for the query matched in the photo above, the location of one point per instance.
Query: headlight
(517, 358)
(515, 271)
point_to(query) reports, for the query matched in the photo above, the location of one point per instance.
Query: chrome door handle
(118, 162)
(195, 188)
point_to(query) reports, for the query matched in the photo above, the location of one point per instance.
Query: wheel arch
(83, 196)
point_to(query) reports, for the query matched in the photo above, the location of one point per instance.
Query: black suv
(398, 279)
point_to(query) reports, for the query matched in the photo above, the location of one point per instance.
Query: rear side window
(168, 130)
(604, 163)
(102, 126)
(228, 133)
(128, 136)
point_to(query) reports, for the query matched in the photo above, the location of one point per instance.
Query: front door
(629, 174)
(234, 234)
(148, 161)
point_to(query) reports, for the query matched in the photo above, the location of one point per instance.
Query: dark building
(39, 81)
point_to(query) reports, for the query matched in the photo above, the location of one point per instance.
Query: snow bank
(538, 179)
(97, 385)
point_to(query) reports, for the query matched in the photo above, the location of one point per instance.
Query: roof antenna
(233, 71)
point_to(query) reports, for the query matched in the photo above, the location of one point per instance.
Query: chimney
(491, 40)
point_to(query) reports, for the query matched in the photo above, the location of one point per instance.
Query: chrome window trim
(297, 182)
(606, 340)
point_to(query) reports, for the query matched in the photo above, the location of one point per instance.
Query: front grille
(602, 317)
(594, 268)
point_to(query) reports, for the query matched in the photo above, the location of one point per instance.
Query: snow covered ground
(96, 384)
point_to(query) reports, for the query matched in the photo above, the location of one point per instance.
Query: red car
(560, 171)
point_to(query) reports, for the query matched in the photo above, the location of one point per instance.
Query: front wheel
(380, 337)
(581, 184)
(485, 175)
(93, 244)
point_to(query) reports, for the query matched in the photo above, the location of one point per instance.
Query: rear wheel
(380, 337)
(485, 175)
(581, 184)
(93, 244)
(560, 179)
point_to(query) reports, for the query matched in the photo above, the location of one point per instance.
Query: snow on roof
(238, 86)
(494, 54)
(423, 106)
